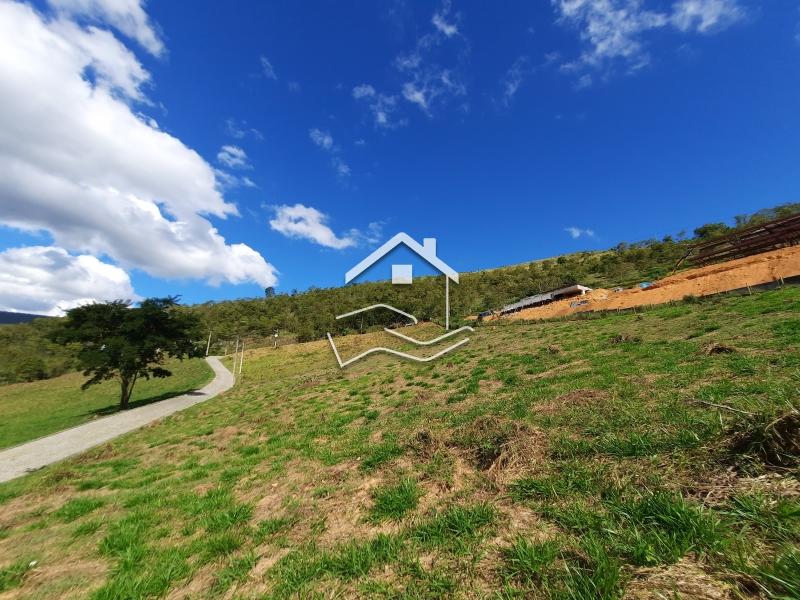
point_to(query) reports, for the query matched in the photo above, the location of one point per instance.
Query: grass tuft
(393, 502)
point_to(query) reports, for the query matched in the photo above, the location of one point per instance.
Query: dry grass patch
(686, 579)
(574, 399)
(501, 448)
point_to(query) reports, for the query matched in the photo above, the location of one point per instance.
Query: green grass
(32, 410)
(11, 576)
(393, 502)
(74, 508)
(526, 561)
(506, 469)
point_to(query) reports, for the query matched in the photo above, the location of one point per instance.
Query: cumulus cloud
(306, 222)
(233, 157)
(78, 162)
(576, 232)
(266, 68)
(127, 16)
(47, 280)
(613, 31)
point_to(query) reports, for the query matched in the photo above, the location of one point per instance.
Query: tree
(124, 343)
(711, 230)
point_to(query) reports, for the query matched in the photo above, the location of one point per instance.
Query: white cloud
(439, 21)
(613, 30)
(78, 162)
(266, 68)
(240, 130)
(797, 29)
(306, 222)
(584, 81)
(360, 142)
(128, 16)
(381, 106)
(233, 157)
(513, 79)
(293, 86)
(341, 167)
(114, 66)
(427, 81)
(372, 235)
(363, 91)
(228, 181)
(47, 280)
(706, 15)
(323, 139)
(577, 232)
(415, 96)
(430, 85)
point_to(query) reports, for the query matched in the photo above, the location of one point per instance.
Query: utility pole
(241, 360)
(235, 354)
(446, 303)
(208, 346)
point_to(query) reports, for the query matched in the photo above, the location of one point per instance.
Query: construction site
(761, 255)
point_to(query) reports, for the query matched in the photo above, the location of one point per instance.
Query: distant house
(540, 299)
(402, 274)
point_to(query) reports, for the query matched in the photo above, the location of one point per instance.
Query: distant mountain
(9, 318)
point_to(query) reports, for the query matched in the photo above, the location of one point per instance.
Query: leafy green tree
(711, 230)
(124, 343)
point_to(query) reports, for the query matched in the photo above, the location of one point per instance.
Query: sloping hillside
(26, 354)
(32, 410)
(309, 315)
(644, 456)
(8, 318)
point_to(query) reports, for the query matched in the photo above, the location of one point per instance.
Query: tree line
(309, 315)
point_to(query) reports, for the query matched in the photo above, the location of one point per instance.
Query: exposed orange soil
(734, 274)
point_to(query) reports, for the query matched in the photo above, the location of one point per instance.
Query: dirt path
(22, 459)
(713, 279)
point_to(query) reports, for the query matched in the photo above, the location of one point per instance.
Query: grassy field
(574, 459)
(31, 410)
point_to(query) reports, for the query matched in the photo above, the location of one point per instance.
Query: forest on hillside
(309, 315)
(26, 354)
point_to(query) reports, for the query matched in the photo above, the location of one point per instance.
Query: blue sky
(308, 133)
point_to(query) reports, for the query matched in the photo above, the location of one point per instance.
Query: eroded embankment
(713, 279)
